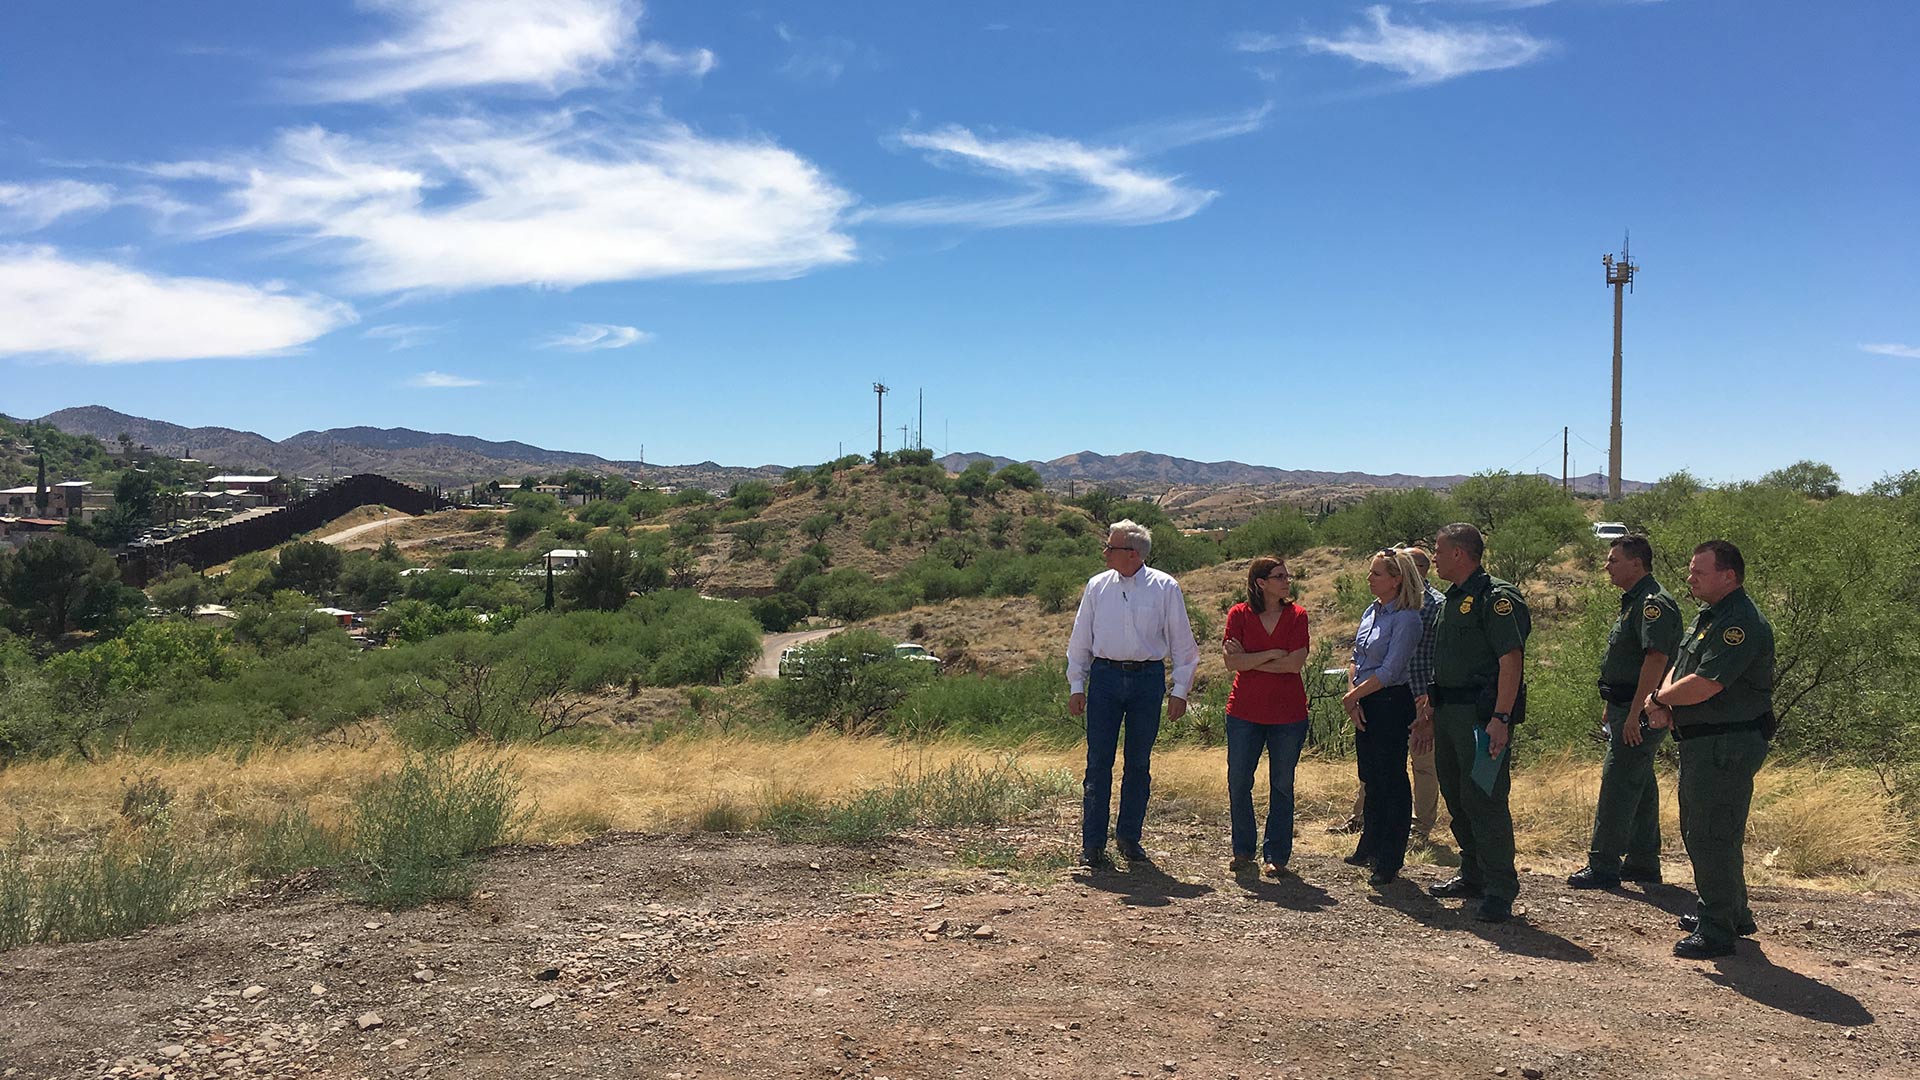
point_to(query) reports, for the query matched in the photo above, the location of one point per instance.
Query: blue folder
(1486, 770)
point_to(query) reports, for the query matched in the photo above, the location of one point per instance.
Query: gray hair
(1138, 537)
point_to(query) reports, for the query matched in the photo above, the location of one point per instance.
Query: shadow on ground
(1750, 974)
(1517, 936)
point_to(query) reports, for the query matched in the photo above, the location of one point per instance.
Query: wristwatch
(1500, 716)
(1655, 698)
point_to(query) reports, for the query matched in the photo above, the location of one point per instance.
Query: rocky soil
(712, 956)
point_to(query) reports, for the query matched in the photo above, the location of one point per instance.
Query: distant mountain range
(420, 457)
(424, 457)
(1142, 468)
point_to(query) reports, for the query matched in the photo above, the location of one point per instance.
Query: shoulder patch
(1466, 604)
(1733, 635)
(1503, 606)
(1652, 612)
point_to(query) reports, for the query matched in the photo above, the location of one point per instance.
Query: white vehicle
(908, 651)
(1608, 530)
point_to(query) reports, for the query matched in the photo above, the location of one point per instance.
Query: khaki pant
(1426, 796)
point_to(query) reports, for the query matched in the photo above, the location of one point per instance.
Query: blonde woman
(1379, 701)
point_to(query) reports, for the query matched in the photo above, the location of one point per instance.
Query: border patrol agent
(1719, 700)
(1645, 638)
(1478, 651)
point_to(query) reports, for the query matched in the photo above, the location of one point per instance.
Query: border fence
(211, 547)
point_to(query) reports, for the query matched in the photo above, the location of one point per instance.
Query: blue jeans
(1282, 742)
(1119, 699)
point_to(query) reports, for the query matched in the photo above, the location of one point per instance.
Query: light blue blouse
(1384, 648)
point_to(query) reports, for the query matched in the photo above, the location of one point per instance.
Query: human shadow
(1750, 974)
(1517, 935)
(1141, 884)
(1671, 899)
(1289, 891)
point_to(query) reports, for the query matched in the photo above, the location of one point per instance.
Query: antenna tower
(1620, 276)
(879, 421)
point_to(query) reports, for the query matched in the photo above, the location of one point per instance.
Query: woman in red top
(1266, 648)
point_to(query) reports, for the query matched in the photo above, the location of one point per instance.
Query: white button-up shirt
(1143, 617)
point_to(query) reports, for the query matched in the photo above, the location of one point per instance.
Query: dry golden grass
(1827, 827)
(1003, 635)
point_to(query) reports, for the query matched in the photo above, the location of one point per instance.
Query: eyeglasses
(1110, 549)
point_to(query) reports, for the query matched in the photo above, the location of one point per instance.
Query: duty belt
(1698, 731)
(1453, 695)
(1618, 695)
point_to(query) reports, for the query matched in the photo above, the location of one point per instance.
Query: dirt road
(719, 957)
(345, 535)
(771, 645)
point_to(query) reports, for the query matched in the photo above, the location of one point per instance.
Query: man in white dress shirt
(1131, 625)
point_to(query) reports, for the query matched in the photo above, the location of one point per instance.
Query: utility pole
(879, 421)
(1620, 276)
(903, 436)
(920, 425)
(1563, 459)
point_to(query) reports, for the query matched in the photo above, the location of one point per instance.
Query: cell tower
(879, 420)
(1620, 276)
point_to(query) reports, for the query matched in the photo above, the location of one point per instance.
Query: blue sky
(1309, 234)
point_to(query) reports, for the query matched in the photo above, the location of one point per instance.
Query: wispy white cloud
(694, 62)
(1510, 4)
(1905, 352)
(440, 380)
(815, 60)
(549, 45)
(588, 337)
(26, 207)
(104, 313)
(1425, 54)
(552, 201)
(1065, 183)
(404, 335)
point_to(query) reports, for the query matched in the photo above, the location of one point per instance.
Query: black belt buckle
(1127, 665)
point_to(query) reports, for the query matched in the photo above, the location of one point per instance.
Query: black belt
(1453, 695)
(1127, 665)
(1618, 695)
(1763, 724)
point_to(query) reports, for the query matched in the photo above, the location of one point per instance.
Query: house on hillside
(15, 532)
(564, 558)
(64, 500)
(266, 490)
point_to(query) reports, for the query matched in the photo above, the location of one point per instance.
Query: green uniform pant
(1716, 790)
(1626, 822)
(1482, 824)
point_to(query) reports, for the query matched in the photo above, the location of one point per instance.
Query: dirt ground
(716, 956)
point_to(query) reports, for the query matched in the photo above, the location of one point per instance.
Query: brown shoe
(1239, 863)
(1273, 869)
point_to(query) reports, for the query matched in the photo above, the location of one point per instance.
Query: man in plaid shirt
(1426, 783)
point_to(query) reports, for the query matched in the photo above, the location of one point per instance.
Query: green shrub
(1279, 533)
(115, 885)
(418, 834)
(291, 841)
(849, 681)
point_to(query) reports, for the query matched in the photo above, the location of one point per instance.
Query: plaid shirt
(1421, 673)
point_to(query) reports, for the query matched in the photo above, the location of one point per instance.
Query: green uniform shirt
(1649, 620)
(1483, 619)
(1732, 644)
